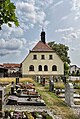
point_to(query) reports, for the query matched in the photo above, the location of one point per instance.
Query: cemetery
(31, 100)
(24, 94)
(68, 91)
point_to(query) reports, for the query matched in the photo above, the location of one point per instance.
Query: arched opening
(31, 68)
(39, 68)
(54, 68)
(45, 68)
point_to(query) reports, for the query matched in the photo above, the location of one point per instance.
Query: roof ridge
(40, 46)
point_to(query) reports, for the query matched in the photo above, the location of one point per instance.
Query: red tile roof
(11, 65)
(40, 46)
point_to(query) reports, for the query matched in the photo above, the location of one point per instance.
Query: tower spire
(43, 36)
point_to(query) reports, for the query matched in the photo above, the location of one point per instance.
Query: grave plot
(14, 100)
(27, 115)
(24, 94)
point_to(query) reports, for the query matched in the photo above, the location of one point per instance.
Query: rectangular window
(42, 57)
(50, 57)
(34, 56)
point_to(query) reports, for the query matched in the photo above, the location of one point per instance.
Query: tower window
(39, 68)
(45, 68)
(50, 57)
(54, 68)
(31, 68)
(34, 56)
(42, 56)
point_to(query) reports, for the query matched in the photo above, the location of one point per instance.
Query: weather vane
(43, 26)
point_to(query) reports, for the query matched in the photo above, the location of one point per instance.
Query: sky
(60, 20)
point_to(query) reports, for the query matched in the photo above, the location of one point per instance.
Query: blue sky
(60, 19)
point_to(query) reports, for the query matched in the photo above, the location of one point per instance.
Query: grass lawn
(14, 79)
(59, 85)
(58, 106)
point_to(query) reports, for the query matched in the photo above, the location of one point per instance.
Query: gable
(40, 46)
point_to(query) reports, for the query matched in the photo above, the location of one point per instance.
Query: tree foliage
(62, 51)
(7, 13)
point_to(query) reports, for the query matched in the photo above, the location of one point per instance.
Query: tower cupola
(43, 36)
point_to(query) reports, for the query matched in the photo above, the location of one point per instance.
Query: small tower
(43, 36)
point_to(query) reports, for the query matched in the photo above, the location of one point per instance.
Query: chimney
(43, 36)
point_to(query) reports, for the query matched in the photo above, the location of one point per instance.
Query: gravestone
(2, 102)
(64, 79)
(12, 90)
(43, 81)
(51, 84)
(17, 80)
(36, 78)
(39, 79)
(69, 94)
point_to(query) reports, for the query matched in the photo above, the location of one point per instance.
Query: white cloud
(2, 43)
(29, 13)
(10, 31)
(70, 36)
(64, 17)
(11, 40)
(44, 3)
(58, 3)
(76, 5)
(65, 30)
(76, 8)
(7, 52)
(12, 44)
(75, 34)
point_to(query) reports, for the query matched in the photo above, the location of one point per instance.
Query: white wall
(55, 61)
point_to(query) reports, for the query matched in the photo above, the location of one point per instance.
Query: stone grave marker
(43, 81)
(17, 80)
(51, 84)
(69, 92)
(37, 78)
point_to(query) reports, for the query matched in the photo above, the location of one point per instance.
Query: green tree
(7, 13)
(62, 51)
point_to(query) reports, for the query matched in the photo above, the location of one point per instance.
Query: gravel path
(76, 110)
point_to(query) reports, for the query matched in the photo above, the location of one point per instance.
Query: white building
(74, 69)
(42, 60)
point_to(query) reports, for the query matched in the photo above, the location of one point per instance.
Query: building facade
(10, 70)
(74, 69)
(42, 61)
